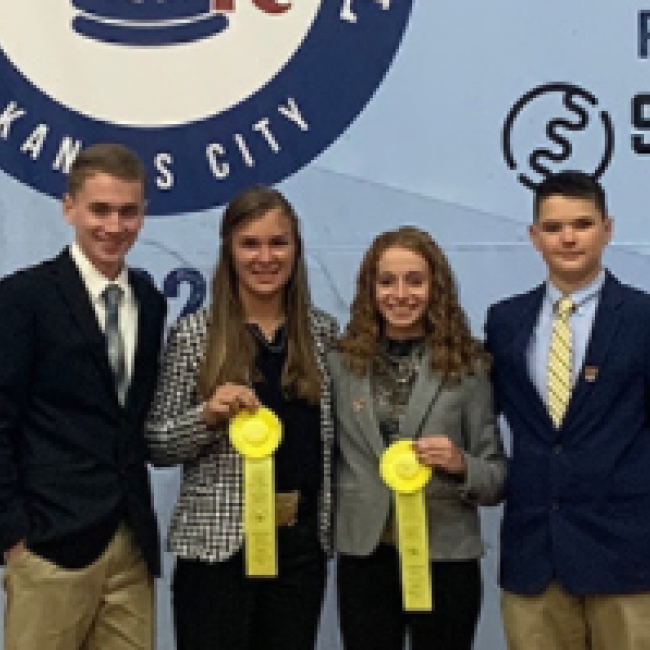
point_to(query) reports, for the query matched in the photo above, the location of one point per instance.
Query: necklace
(397, 366)
(402, 358)
(277, 344)
(395, 371)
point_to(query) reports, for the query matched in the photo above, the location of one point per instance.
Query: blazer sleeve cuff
(181, 440)
(469, 489)
(483, 482)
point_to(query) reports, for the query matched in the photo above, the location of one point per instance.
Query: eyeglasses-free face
(402, 292)
(264, 255)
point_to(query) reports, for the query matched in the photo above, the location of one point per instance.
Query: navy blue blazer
(577, 497)
(70, 453)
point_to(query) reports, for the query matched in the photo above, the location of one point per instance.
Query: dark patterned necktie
(112, 296)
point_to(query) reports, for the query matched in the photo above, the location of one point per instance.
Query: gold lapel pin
(358, 403)
(591, 374)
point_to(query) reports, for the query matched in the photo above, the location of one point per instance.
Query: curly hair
(452, 347)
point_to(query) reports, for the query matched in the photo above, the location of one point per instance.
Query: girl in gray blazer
(408, 367)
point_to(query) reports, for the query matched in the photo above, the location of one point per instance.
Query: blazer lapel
(146, 335)
(526, 322)
(74, 292)
(425, 391)
(603, 333)
(362, 405)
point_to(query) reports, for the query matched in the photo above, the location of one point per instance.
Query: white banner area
(480, 100)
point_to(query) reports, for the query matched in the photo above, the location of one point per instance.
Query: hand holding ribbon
(439, 451)
(256, 435)
(406, 477)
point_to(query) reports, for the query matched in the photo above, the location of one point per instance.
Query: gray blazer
(464, 412)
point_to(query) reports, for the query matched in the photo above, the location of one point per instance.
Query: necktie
(560, 362)
(112, 295)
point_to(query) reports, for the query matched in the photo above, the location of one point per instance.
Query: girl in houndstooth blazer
(259, 343)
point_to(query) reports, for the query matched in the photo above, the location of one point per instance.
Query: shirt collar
(94, 280)
(579, 297)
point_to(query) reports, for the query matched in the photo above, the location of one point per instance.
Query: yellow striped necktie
(560, 362)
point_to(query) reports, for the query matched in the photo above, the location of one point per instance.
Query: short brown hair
(110, 158)
(573, 185)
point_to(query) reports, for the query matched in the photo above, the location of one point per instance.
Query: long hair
(447, 335)
(230, 350)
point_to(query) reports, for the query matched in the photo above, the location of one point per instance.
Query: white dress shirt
(95, 283)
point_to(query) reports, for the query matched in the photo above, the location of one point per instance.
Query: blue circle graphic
(330, 78)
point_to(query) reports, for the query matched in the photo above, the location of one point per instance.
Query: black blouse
(298, 460)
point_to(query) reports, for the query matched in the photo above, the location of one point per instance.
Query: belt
(388, 535)
(286, 508)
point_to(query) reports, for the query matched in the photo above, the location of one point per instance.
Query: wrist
(208, 416)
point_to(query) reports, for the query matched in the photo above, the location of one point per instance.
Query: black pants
(370, 604)
(216, 607)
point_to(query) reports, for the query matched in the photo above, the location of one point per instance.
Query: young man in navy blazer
(575, 544)
(77, 529)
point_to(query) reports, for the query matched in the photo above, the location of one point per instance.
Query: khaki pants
(555, 620)
(105, 606)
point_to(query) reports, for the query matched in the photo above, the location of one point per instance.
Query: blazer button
(555, 506)
(557, 449)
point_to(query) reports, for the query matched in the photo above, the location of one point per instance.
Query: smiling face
(571, 234)
(402, 292)
(263, 256)
(107, 214)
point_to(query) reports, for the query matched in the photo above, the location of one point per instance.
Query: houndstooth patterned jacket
(207, 520)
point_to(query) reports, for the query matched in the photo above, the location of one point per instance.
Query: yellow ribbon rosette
(406, 477)
(256, 435)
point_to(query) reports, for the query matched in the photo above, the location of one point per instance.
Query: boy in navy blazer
(575, 544)
(79, 342)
